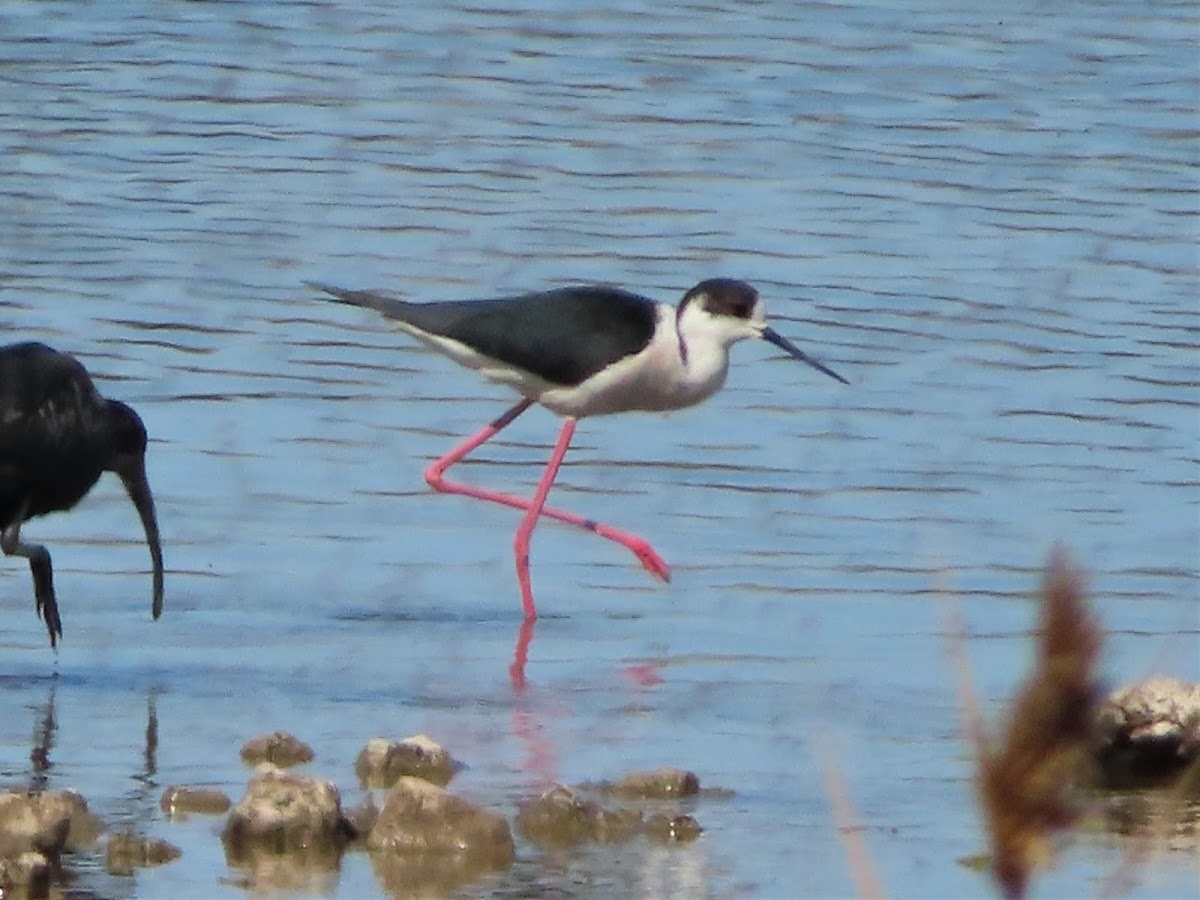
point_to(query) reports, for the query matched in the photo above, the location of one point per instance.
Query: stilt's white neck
(685, 363)
(704, 342)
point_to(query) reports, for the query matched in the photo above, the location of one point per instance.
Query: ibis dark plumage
(57, 436)
(583, 351)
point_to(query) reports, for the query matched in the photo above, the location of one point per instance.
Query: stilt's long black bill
(774, 337)
(138, 488)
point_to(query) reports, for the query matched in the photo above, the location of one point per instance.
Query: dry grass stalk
(1026, 776)
(862, 868)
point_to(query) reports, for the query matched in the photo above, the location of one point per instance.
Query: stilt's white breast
(662, 376)
(656, 379)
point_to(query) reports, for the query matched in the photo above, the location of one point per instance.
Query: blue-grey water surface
(984, 215)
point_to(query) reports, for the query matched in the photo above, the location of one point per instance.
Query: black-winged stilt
(583, 351)
(57, 435)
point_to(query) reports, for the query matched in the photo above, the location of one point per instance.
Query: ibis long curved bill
(133, 476)
(771, 336)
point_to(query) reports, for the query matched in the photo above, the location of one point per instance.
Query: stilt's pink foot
(645, 674)
(640, 547)
(651, 561)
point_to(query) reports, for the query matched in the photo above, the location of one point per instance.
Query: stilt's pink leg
(435, 477)
(434, 474)
(516, 671)
(529, 522)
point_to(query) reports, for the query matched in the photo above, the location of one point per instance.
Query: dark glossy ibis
(57, 435)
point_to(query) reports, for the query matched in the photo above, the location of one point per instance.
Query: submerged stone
(557, 816)
(362, 818)
(428, 841)
(44, 823)
(25, 875)
(560, 817)
(179, 800)
(670, 829)
(128, 851)
(422, 818)
(279, 748)
(85, 827)
(1148, 732)
(659, 784)
(382, 762)
(284, 813)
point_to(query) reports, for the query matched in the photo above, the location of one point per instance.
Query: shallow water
(986, 218)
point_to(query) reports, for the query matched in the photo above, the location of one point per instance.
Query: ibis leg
(43, 575)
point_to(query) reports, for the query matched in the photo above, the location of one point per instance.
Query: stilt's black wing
(564, 336)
